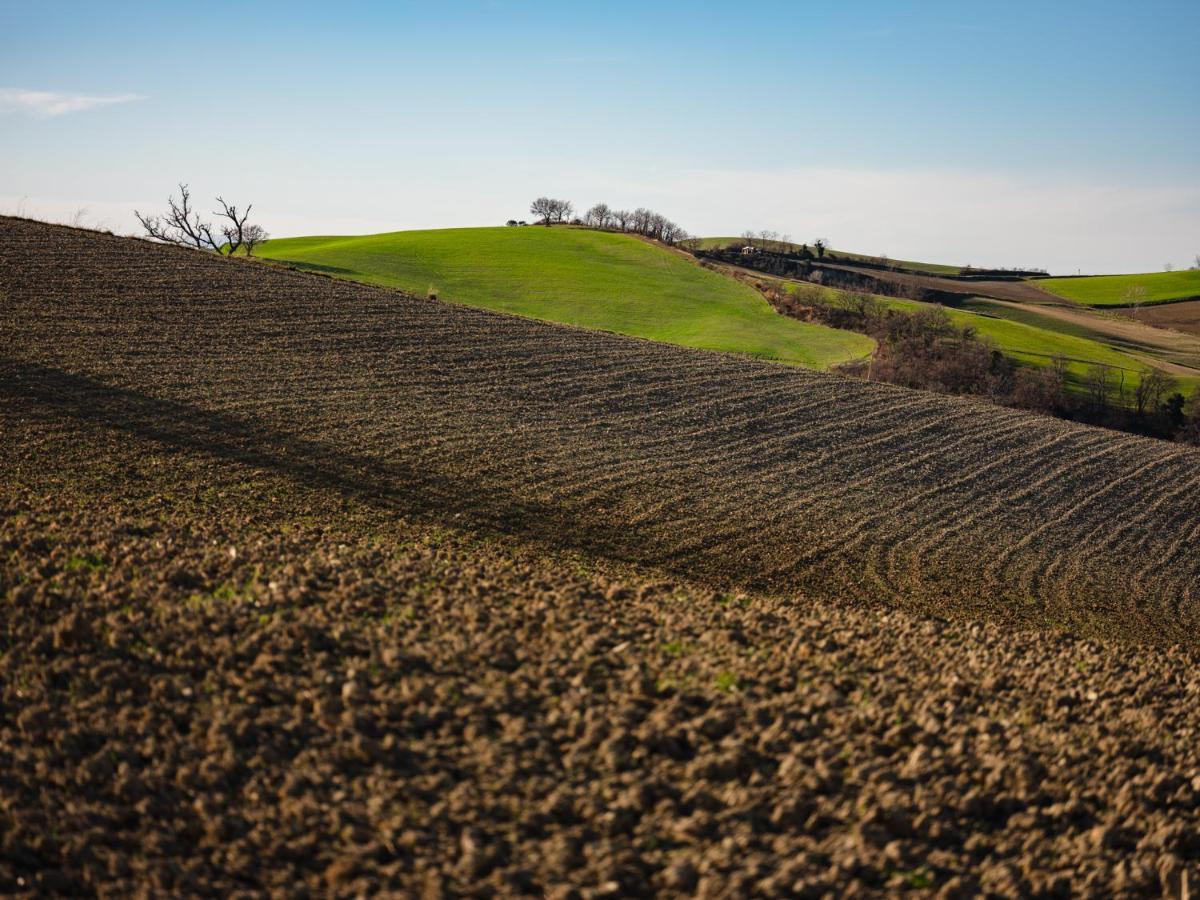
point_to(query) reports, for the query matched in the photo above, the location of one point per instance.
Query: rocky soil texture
(310, 589)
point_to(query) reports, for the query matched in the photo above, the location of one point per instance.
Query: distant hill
(1115, 290)
(932, 268)
(611, 282)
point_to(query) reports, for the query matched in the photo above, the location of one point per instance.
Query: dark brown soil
(738, 473)
(313, 590)
(1183, 316)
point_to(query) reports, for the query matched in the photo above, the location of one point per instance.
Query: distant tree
(1152, 386)
(1168, 267)
(182, 225)
(1189, 433)
(1174, 410)
(1133, 297)
(1058, 363)
(671, 233)
(1197, 261)
(820, 245)
(1098, 382)
(544, 208)
(511, 223)
(598, 216)
(748, 238)
(563, 210)
(622, 217)
(252, 236)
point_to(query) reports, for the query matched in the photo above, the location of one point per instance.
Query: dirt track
(241, 653)
(1183, 316)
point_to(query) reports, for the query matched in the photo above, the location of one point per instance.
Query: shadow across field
(320, 268)
(723, 471)
(52, 393)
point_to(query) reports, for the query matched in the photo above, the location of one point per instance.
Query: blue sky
(1065, 135)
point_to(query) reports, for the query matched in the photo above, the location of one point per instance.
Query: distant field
(1036, 346)
(610, 282)
(1113, 290)
(1034, 340)
(933, 268)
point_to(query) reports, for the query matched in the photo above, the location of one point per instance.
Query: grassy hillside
(1113, 290)
(610, 282)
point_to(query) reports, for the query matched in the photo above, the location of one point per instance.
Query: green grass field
(1113, 290)
(610, 282)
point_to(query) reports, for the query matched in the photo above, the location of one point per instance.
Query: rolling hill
(744, 473)
(611, 282)
(314, 587)
(1114, 290)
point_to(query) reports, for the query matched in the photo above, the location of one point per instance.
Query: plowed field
(743, 473)
(315, 589)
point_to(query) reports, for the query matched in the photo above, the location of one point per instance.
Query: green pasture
(1117, 290)
(593, 279)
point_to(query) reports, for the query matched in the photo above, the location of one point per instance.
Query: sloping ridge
(715, 467)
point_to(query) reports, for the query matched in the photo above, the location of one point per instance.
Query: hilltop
(575, 276)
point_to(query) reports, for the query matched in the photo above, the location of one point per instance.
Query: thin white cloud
(44, 104)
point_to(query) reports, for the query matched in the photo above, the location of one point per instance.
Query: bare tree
(252, 236)
(1098, 382)
(544, 208)
(748, 238)
(1134, 296)
(235, 231)
(622, 217)
(1197, 261)
(821, 245)
(1153, 385)
(1168, 267)
(182, 225)
(598, 216)
(671, 233)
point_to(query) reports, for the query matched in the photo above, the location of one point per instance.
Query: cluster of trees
(182, 225)
(551, 211)
(926, 350)
(638, 221)
(767, 241)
